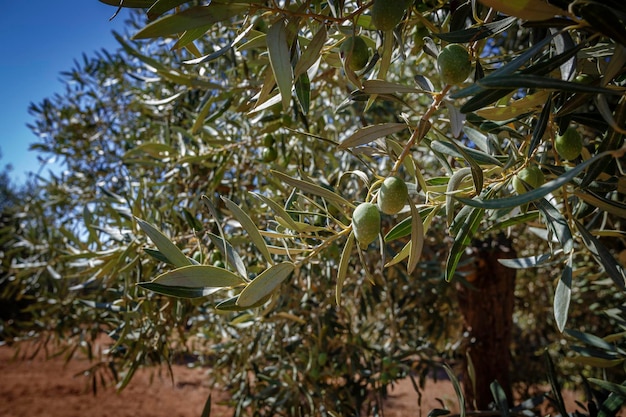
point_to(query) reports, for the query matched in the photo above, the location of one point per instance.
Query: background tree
(241, 137)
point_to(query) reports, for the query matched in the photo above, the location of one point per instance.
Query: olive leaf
(557, 224)
(312, 188)
(417, 238)
(280, 61)
(165, 245)
(476, 33)
(264, 284)
(563, 295)
(191, 18)
(603, 257)
(534, 194)
(344, 262)
(249, 226)
(368, 134)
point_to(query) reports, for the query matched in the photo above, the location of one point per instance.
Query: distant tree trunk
(488, 319)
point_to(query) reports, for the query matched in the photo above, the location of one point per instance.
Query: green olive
(454, 64)
(392, 195)
(269, 154)
(355, 51)
(268, 140)
(386, 14)
(366, 223)
(569, 144)
(531, 175)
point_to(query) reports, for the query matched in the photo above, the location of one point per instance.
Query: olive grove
(316, 199)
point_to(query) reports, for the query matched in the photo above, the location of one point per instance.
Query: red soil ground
(54, 388)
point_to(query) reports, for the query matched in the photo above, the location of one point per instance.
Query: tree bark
(487, 308)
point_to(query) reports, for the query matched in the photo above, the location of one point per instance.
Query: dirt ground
(54, 388)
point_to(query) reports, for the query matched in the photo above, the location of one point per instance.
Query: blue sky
(40, 39)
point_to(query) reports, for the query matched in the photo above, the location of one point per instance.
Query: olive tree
(320, 180)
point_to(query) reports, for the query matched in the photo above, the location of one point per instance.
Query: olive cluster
(392, 197)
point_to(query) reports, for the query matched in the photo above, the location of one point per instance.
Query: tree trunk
(487, 310)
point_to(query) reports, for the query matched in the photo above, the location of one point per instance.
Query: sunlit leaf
(199, 276)
(280, 212)
(528, 104)
(280, 61)
(264, 284)
(400, 256)
(155, 150)
(165, 72)
(315, 189)
(229, 253)
(159, 102)
(557, 224)
(161, 6)
(563, 295)
(191, 18)
(457, 119)
(226, 48)
(527, 262)
(417, 238)
(185, 39)
(376, 86)
(453, 185)
(175, 291)
(344, 263)
(368, 134)
(164, 244)
(564, 42)
(451, 149)
(312, 52)
(249, 226)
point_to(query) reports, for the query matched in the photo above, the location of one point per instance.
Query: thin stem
(437, 99)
